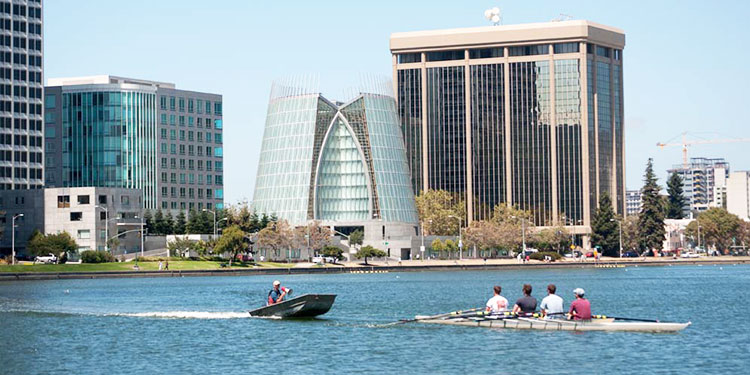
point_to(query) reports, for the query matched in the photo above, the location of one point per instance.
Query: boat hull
(305, 306)
(563, 325)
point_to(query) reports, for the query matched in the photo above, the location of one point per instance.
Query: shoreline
(406, 266)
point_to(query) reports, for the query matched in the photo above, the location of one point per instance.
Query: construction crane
(685, 143)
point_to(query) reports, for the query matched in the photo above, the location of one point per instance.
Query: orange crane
(685, 143)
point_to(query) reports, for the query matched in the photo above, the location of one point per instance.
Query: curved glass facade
(334, 162)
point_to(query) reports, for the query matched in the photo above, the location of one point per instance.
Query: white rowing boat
(559, 324)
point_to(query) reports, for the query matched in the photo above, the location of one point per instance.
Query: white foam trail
(189, 314)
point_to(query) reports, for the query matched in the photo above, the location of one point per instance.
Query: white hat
(276, 282)
(579, 292)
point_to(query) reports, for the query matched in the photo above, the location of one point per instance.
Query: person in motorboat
(497, 303)
(525, 304)
(580, 309)
(552, 305)
(277, 294)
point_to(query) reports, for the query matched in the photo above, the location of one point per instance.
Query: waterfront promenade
(374, 266)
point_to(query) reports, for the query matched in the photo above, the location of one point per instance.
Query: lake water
(199, 324)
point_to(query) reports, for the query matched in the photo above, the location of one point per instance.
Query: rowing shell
(305, 306)
(561, 325)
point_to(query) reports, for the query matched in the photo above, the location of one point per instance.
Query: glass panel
(445, 55)
(541, 49)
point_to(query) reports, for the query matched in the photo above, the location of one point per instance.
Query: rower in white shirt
(497, 303)
(552, 305)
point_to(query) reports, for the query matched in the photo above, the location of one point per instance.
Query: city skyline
(250, 45)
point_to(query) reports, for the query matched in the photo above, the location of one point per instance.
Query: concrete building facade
(112, 131)
(525, 115)
(738, 194)
(633, 202)
(21, 105)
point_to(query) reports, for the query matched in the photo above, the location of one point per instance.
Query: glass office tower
(526, 115)
(21, 148)
(339, 163)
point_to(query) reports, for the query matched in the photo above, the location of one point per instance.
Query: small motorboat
(305, 306)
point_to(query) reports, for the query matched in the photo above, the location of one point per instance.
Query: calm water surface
(198, 324)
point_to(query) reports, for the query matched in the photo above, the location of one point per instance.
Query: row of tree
(202, 222)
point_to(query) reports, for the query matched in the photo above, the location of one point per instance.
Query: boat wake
(187, 314)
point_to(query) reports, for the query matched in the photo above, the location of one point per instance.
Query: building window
(172, 134)
(163, 133)
(76, 216)
(182, 104)
(217, 138)
(172, 103)
(217, 108)
(199, 105)
(405, 58)
(445, 55)
(191, 121)
(486, 53)
(83, 199)
(541, 49)
(218, 124)
(125, 200)
(102, 199)
(208, 107)
(603, 51)
(182, 120)
(84, 234)
(172, 119)
(163, 102)
(103, 215)
(63, 201)
(163, 119)
(208, 137)
(182, 135)
(190, 105)
(218, 152)
(163, 176)
(208, 123)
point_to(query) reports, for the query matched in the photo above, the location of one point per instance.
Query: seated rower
(580, 309)
(552, 305)
(278, 293)
(527, 303)
(497, 303)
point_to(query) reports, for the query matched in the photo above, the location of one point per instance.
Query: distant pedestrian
(160, 265)
(166, 265)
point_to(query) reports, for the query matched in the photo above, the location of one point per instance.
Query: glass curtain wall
(446, 134)
(410, 113)
(604, 116)
(355, 115)
(530, 135)
(619, 150)
(488, 138)
(568, 139)
(593, 191)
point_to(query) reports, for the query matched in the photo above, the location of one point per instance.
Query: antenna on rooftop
(493, 15)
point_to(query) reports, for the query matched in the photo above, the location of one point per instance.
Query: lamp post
(213, 212)
(460, 238)
(523, 233)
(422, 248)
(143, 232)
(13, 237)
(619, 225)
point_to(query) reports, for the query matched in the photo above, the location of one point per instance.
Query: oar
(628, 319)
(459, 313)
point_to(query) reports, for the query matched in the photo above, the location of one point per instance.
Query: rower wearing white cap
(278, 293)
(580, 309)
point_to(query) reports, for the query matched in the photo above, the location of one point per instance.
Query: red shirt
(582, 307)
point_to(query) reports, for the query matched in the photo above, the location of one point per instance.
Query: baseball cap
(276, 282)
(579, 291)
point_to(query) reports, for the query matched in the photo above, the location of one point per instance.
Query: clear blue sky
(685, 61)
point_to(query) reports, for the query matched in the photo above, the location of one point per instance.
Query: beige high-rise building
(529, 115)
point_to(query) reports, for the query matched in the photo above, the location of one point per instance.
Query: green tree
(233, 241)
(57, 243)
(369, 252)
(277, 236)
(651, 217)
(718, 228)
(332, 251)
(554, 238)
(451, 247)
(631, 234)
(179, 223)
(313, 235)
(159, 223)
(676, 201)
(438, 246)
(356, 238)
(604, 227)
(148, 219)
(438, 211)
(181, 245)
(193, 226)
(168, 223)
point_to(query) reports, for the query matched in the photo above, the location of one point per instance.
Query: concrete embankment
(410, 267)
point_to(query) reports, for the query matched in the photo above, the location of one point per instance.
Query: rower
(497, 303)
(278, 293)
(527, 303)
(552, 304)
(580, 309)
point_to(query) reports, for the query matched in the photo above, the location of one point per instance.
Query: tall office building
(704, 182)
(738, 194)
(21, 149)
(120, 132)
(527, 115)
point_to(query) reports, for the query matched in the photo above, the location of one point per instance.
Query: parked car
(46, 259)
(630, 254)
(689, 254)
(590, 254)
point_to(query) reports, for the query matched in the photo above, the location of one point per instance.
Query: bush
(540, 255)
(92, 256)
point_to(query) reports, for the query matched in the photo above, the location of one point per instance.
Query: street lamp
(106, 226)
(460, 238)
(422, 248)
(619, 225)
(213, 212)
(13, 237)
(143, 234)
